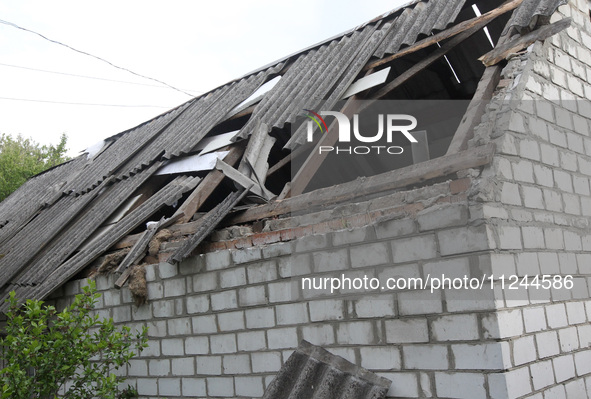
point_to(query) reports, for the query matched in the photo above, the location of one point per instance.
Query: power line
(76, 103)
(88, 77)
(91, 55)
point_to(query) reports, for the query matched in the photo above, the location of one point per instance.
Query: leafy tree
(22, 158)
(46, 351)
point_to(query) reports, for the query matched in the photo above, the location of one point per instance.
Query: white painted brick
(331, 309)
(236, 364)
(503, 324)
(249, 386)
(535, 319)
(357, 333)
(217, 260)
(223, 300)
(556, 315)
(407, 330)
(197, 304)
(293, 313)
(404, 385)
(524, 350)
(204, 324)
(425, 357)
(569, 339)
(196, 345)
(378, 306)
(209, 365)
(460, 385)
(251, 341)
(251, 296)
(487, 356)
(564, 368)
(319, 334)
(415, 248)
(231, 321)
(326, 261)
(281, 338)
(193, 387)
(220, 386)
(183, 366)
(246, 255)
(179, 326)
(266, 362)
(380, 358)
(233, 277)
(159, 367)
(463, 327)
(419, 302)
(462, 240)
(542, 374)
(222, 343)
(265, 271)
(369, 255)
(260, 317)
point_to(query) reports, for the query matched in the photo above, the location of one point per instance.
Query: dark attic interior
(239, 154)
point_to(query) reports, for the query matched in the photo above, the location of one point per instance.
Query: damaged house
(243, 226)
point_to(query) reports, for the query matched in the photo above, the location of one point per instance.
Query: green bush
(45, 351)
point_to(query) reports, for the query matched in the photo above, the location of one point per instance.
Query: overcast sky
(192, 45)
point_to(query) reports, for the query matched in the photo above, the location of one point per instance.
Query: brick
(163, 308)
(204, 324)
(503, 324)
(121, 314)
(534, 319)
(487, 356)
(325, 261)
(175, 287)
(425, 357)
(172, 347)
(523, 171)
(443, 216)
(509, 237)
(260, 317)
(251, 296)
(217, 260)
(155, 291)
(575, 313)
(358, 333)
(231, 321)
(532, 197)
(183, 366)
(419, 303)
(196, 345)
(524, 350)
(583, 362)
(380, 358)
(266, 362)
(294, 313)
(276, 250)
(527, 264)
(378, 306)
(564, 368)
(251, 341)
(236, 364)
(452, 268)
(462, 240)
(193, 387)
(249, 386)
(220, 386)
(369, 255)
(262, 272)
(280, 292)
(311, 243)
(280, 338)
(222, 343)
(413, 249)
(246, 255)
(542, 374)
(233, 277)
(295, 265)
(554, 238)
(547, 344)
(462, 327)
(407, 331)
(166, 270)
(327, 310)
(223, 300)
(395, 228)
(138, 368)
(319, 334)
(404, 385)
(353, 236)
(576, 389)
(209, 365)
(205, 282)
(159, 367)
(460, 385)
(569, 339)
(179, 326)
(556, 315)
(197, 304)
(147, 386)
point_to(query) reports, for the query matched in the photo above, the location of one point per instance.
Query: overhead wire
(92, 55)
(77, 103)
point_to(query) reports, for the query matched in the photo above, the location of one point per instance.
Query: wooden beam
(430, 59)
(392, 180)
(475, 110)
(208, 185)
(501, 52)
(448, 33)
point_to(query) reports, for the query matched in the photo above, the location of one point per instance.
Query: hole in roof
(486, 32)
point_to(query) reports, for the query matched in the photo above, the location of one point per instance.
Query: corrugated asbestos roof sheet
(313, 373)
(44, 224)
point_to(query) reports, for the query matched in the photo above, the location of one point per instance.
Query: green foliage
(22, 158)
(45, 350)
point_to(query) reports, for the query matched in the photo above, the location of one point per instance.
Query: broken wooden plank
(501, 52)
(208, 223)
(475, 110)
(395, 179)
(243, 180)
(427, 61)
(448, 33)
(207, 186)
